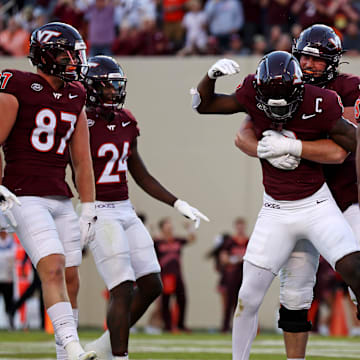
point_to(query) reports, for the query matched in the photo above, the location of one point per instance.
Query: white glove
(87, 223)
(7, 200)
(284, 162)
(190, 212)
(275, 144)
(223, 67)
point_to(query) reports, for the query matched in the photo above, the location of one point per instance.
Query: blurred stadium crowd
(180, 27)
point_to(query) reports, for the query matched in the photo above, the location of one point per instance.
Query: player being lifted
(319, 51)
(301, 204)
(123, 249)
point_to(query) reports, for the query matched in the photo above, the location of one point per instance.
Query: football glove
(223, 67)
(190, 212)
(87, 223)
(284, 162)
(275, 144)
(7, 200)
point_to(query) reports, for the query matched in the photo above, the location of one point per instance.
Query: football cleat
(89, 355)
(101, 352)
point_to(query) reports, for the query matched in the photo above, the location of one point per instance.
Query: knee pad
(294, 321)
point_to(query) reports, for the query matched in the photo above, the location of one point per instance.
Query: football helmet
(105, 83)
(279, 86)
(58, 49)
(319, 41)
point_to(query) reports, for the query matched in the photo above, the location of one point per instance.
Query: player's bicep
(9, 106)
(344, 134)
(221, 104)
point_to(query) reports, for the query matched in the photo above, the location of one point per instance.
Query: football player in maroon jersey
(319, 51)
(43, 129)
(123, 249)
(297, 204)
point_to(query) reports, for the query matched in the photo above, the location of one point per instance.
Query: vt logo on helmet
(58, 49)
(279, 86)
(105, 84)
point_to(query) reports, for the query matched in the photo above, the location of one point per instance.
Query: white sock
(104, 341)
(256, 282)
(76, 317)
(61, 353)
(121, 357)
(62, 318)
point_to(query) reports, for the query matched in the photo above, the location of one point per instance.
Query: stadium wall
(195, 157)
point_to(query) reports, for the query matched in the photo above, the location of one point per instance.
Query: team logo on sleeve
(91, 122)
(36, 87)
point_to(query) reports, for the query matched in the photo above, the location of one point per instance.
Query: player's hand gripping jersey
(37, 149)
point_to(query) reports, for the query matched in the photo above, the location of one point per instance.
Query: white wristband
(88, 209)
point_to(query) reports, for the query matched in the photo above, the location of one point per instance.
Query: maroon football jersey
(110, 143)
(37, 148)
(315, 117)
(342, 178)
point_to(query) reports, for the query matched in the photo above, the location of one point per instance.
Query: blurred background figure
(169, 251)
(14, 39)
(214, 254)
(231, 256)
(173, 12)
(7, 276)
(194, 24)
(101, 27)
(225, 17)
(351, 41)
(34, 286)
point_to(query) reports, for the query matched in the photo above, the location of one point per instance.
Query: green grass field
(195, 346)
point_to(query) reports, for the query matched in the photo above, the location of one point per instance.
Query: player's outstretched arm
(206, 101)
(153, 187)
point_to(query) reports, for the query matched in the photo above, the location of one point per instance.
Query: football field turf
(195, 346)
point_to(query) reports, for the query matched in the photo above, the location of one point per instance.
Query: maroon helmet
(279, 85)
(322, 42)
(53, 39)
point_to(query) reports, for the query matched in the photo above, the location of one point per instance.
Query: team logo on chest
(36, 87)
(91, 122)
(57, 96)
(111, 127)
